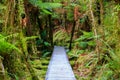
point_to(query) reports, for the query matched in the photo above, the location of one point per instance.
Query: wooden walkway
(59, 67)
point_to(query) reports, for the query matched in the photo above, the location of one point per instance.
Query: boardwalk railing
(59, 67)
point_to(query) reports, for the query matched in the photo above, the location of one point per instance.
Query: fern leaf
(45, 5)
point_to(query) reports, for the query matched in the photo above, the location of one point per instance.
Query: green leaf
(49, 5)
(82, 20)
(6, 37)
(81, 38)
(2, 6)
(46, 44)
(31, 37)
(83, 45)
(46, 11)
(88, 34)
(91, 43)
(45, 5)
(1, 21)
(46, 54)
(6, 47)
(80, 51)
(39, 42)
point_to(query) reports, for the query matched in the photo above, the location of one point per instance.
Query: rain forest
(86, 31)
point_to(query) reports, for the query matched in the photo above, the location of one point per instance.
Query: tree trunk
(50, 30)
(94, 28)
(72, 34)
(2, 71)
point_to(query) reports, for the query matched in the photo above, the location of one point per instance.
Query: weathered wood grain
(59, 67)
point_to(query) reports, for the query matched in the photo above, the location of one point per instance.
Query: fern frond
(30, 38)
(9, 36)
(45, 7)
(6, 47)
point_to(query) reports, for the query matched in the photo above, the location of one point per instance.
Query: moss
(72, 62)
(40, 67)
(45, 62)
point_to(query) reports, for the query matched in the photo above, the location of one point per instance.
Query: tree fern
(45, 7)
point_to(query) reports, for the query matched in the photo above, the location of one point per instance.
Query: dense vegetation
(88, 29)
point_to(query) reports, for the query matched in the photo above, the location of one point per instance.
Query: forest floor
(40, 67)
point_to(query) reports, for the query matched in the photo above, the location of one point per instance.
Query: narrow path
(59, 67)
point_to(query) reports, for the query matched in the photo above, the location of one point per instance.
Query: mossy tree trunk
(32, 29)
(12, 25)
(12, 60)
(31, 14)
(2, 70)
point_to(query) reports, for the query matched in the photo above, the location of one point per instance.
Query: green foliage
(57, 0)
(49, 5)
(108, 67)
(24, 42)
(106, 73)
(2, 6)
(61, 38)
(21, 8)
(88, 65)
(70, 15)
(112, 29)
(5, 46)
(86, 40)
(83, 45)
(46, 43)
(83, 19)
(55, 16)
(86, 35)
(83, 4)
(46, 54)
(31, 38)
(2, 10)
(75, 53)
(45, 7)
(40, 67)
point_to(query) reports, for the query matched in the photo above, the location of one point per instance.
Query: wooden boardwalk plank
(59, 67)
